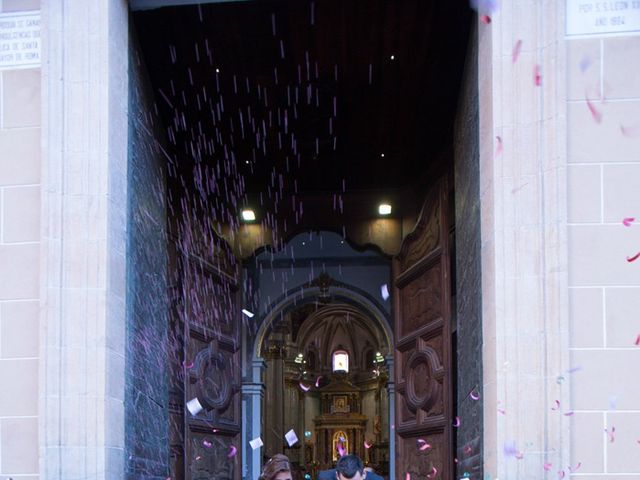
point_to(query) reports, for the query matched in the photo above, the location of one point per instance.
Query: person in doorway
(349, 467)
(277, 468)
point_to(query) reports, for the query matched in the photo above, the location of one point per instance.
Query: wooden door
(422, 350)
(208, 330)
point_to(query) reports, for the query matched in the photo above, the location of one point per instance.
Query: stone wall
(146, 388)
(468, 270)
(20, 165)
(603, 146)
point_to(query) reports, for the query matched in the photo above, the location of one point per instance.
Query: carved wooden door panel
(422, 350)
(208, 399)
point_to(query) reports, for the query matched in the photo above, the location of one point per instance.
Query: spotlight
(393, 57)
(384, 209)
(248, 215)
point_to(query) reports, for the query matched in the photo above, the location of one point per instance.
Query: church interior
(284, 149)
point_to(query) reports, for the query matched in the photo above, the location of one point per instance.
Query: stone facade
(20, 186)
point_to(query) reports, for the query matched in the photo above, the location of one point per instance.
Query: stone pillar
(523, 228)
(391, 389)
(252, 396)
(84, 215)
(274, 405)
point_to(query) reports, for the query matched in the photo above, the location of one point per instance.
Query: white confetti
(291, 438)
(194, 406)
(384, 291)
(256, 443)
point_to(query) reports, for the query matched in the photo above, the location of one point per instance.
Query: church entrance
(305, 160)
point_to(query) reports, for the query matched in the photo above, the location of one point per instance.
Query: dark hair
(349, 465)
(278, 463)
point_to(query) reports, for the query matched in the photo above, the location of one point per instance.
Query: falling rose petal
(557, 402)
(638, 339)
(474, 395)
(207, 444)
(425, 446)
(516, 51)
(629, 131)
(595, 113)
(468, 449)
(537, 76)
(407, 476)
(232, 451)
(575, 469)
(486, 19)
(318, 381)
(627, 221)
(433, 473)
(499, 147)
(547, 466)
(367, 445)
(304, 387)
(187, 365)
(561, 474)
(568, 414)
(341, 450)
(634, 258)
(456, 423)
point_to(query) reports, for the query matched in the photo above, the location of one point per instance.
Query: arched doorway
(324, 355)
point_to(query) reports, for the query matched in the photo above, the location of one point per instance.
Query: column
(84, 216)
(252, 396)
(523, 195)
(391, 390)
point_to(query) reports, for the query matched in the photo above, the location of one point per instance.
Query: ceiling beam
(153, 4)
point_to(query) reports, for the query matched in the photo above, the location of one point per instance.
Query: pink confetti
(595, 114)
(537, 76)
(547, 466)
(341, 450)
(232, 452)
(634, 258)
(557, 402)
(503, 412)
(627, 221)
(318, 381)
(561, 474)
(422, 444)
(407, 476)
(187, 365)
(575, 469)
(468, 449)
(457, 422)
(206, 443)
(198, 458)
(433, 473)
(638, 339)
(304, 387)
(367, 445)
(611, 433)
(516, 51)
(568, 414)
(486, 19)
(629, 131)
(499, 146)
(474, 395)
(519, 455)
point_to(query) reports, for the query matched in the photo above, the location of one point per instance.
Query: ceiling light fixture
(248, 215)
(384, 209)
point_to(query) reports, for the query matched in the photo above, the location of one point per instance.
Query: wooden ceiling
(369, 88)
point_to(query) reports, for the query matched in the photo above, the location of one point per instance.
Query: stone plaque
(19, 40)
(602, 17)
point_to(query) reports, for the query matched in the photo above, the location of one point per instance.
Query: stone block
(620, 61)
(21, 98)
(19, 394)
(622, 307)
(19, 267)
(21, 214)
(584, 194)
(586, 317)
(615, 139)
(622, 454)
(19, 438)
(19, 332)
(20, 159)
(587, 441)
(598, 255)
(621, 189)
(20, 5)
(583, 67)
(605, 374)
